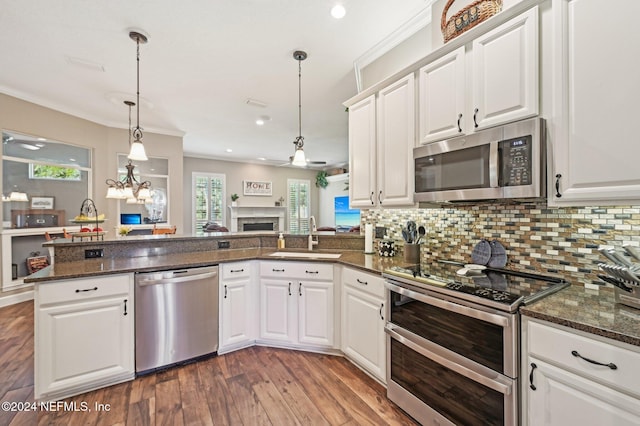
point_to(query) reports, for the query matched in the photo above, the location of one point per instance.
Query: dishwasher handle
(176, 279)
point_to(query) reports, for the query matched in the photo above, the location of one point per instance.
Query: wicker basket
(468, 17)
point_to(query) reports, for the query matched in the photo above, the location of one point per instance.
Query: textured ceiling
(204, 59)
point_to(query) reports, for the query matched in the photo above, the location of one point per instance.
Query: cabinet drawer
(299, 270)
(235, 270)
(83, 289)
(368, 283)
(557, 347)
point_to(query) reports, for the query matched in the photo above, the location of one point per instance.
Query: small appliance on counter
(623, 273)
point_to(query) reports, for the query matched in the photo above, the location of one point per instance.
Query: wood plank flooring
(254, 386)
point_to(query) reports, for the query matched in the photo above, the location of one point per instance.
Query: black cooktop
(504, 289)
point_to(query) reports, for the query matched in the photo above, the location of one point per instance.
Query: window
(208, 199)
(299, 198)
(43, 171)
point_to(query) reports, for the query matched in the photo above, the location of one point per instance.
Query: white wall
(337, 187)
(235, 173)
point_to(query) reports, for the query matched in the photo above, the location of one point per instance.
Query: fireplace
(257, 218)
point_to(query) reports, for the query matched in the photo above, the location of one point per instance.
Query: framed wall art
(254, 187)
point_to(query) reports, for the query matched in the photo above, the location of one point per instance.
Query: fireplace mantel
(258, 212)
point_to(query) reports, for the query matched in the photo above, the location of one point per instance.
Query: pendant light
(298, 158)
(137, 148)
(129, 188)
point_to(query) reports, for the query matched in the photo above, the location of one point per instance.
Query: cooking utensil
(632, 251)
(616, 282)
(406, 236)
(620, 257)
(421, 232)
(481, 253)
(498, 257)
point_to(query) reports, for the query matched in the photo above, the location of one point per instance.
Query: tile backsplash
(555, 241)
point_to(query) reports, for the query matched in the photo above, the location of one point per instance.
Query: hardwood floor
(254, 386)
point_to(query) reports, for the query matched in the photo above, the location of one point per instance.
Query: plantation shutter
(298, 205)
(209, 199)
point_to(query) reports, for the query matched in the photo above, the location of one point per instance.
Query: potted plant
(321, 179)
(234, 198)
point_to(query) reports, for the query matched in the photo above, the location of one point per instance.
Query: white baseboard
(16, 298)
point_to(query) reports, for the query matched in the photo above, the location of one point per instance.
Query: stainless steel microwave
(497, 163)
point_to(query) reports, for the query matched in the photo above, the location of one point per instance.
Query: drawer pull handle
(289, 289)
(610, 365)
(125, 306)
(277, 270)
(312, 272)
(225, 291)
(86, 289)
(362, 282)
(300, 289)
(237, 270)
(533, 368)
(558, 194)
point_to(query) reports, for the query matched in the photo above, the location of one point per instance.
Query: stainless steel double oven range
(453, 341)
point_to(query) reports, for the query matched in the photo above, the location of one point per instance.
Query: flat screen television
(130, 218)
(346, 218)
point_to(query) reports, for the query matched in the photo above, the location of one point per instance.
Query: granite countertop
(594, 311)
(103, 266)
(591, 310)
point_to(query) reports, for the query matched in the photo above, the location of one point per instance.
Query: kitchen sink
(308, 254)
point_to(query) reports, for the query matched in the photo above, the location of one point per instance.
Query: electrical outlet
(93, 253)
(223, 244)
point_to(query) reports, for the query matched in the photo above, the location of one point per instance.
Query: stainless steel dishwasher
(176, 316)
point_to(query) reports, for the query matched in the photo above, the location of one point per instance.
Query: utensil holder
(412, 253)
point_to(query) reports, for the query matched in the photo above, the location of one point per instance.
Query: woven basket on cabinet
(468, 17)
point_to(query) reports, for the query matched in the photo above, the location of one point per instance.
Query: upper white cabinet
(491, 81)
(381, 142)
(595, 87)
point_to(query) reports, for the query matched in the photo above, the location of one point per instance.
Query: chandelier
(298, 158)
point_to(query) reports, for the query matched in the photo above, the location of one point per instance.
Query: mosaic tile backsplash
(555, 241)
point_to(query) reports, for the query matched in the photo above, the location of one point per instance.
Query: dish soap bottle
(281, 241)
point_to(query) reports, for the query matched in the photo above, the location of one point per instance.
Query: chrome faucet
(313, 229)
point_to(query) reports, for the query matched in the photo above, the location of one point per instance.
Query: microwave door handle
(493, 164)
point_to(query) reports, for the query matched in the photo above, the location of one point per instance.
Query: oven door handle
(502, 321)
(495, 382)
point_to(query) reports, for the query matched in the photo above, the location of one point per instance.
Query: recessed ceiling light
(260, 122)
(42, 139)
(29, 146)
(338, 11)
(262, 119)
(73, 160)
(262, 159)
(229, 150)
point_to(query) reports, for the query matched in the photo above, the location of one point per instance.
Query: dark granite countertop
(104, 266)
(594, 311)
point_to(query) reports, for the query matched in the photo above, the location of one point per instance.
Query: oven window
(472, 338)
(459, 399)
(462, 169)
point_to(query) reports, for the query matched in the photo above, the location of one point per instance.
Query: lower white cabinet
(363, 319)
(297, 304)
(571, 378)
(237, 306)
(84, 335)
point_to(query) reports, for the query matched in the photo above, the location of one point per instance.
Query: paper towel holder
(368, 239)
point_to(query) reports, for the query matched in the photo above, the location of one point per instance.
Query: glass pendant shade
(18, 196)
(137, 152)
(144, 194)
(299, 158)
(115, 193)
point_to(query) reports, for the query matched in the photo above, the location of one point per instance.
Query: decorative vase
(234, 204)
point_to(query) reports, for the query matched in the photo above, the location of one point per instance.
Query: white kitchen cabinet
(237, 306)
(84, 335)
(595, 87)
(363, 319)
(381, 142)
(297, 304)
(561, 387)
(490, 81)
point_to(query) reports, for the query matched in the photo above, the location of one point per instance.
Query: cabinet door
(315, 313)
(595, 141)
(83, 344)
(362, 153)
(236, 310)
(363, 338)
(396, 140)
(278, 310)
(562, 398)
(442, 97)
(505, 72)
